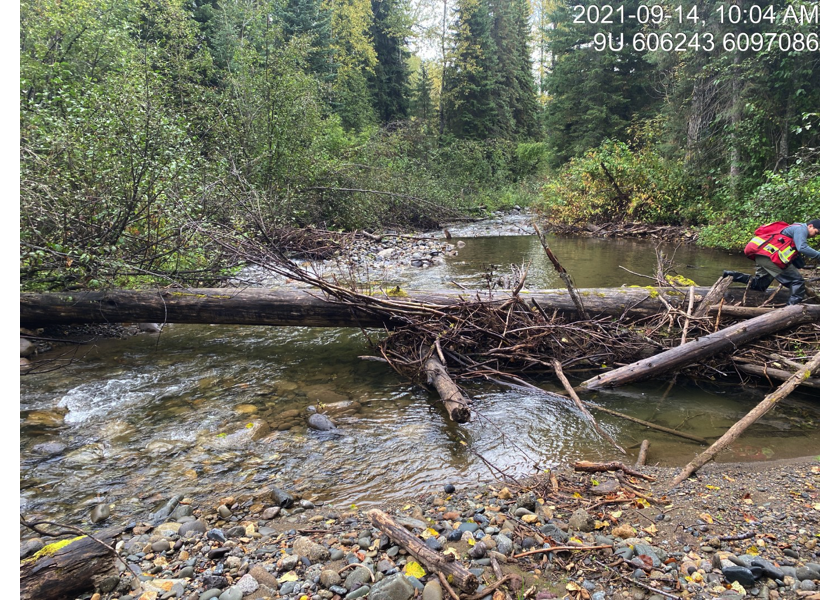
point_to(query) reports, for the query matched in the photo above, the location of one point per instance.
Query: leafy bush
(614, 183)
(792, 196)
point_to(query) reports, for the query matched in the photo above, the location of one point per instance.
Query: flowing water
(209, 410)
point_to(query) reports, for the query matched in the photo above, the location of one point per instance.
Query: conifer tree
(355, 58)
(389, 83)
(594, 95)
(421, 100)
(471, 80)
(516, 92)
(312, 19)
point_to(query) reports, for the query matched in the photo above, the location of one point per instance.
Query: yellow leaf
(329, 522)
(595, 482)
(728, 478)
(471, 541)
(290, 576)
(406, 507)
(429, 533)
(817, 506)
(707, 517)
(451, 551)
(753, 550)
(413, 568)
(713, 487)
(577, 495)
(572, 587)
(576, 540)
(643, 502)
(616, 514)
(354, 507)
(652, 530)
(601, 524)
(738, 588)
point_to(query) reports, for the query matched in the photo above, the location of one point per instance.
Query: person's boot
(737, 277)
(760, 283)
(797, 292)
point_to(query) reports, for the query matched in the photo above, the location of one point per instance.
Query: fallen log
(455, 403)
(591, 467)
(771, 373)
(643, 452)
(714, 296)
(434, 561)
(63, 570)
(311, 308)
(720, 341)
(751, 417)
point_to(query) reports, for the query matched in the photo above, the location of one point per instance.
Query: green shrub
(792, 196)
(614, 183)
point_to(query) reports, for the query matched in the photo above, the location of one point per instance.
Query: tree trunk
(70, 570)
(310, 308)
(724, 340)
(433, 561)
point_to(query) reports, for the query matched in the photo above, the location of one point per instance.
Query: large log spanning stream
(311, 308)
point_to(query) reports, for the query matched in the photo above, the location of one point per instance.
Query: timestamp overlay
(709, 27)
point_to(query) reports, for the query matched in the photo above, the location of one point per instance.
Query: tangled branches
(481, 339)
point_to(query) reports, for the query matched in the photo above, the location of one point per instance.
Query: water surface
(151, 416)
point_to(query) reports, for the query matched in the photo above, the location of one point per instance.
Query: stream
(212, 410)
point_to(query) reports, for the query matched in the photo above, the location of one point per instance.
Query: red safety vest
(770, 242)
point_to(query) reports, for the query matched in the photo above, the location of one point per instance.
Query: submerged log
(310, 308)
(69, 569)
(720, 341)
(751, 417)
(434, 561)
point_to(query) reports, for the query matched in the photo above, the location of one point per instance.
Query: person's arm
(799, 233)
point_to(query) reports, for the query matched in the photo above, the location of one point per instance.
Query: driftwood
(771, 373)
(723, 340)
(455, 403)
(70, 570)
(434, 561)
(558, 370)
(751, 417)
(310, 308)
(714, 296)
(643, 451)
(564, 275)
(591, 467)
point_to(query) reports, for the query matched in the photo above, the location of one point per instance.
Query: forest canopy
(145, 125)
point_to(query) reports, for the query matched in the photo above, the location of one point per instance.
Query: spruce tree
(389, 82)
(309, 18)
(516, 95)
(421, 97)
(471, 80)
(594, 95)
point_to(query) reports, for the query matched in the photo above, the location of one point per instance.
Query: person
(777, 249)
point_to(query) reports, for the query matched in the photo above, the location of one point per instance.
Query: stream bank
(757, 525)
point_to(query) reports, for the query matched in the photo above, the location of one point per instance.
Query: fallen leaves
(413, 568)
